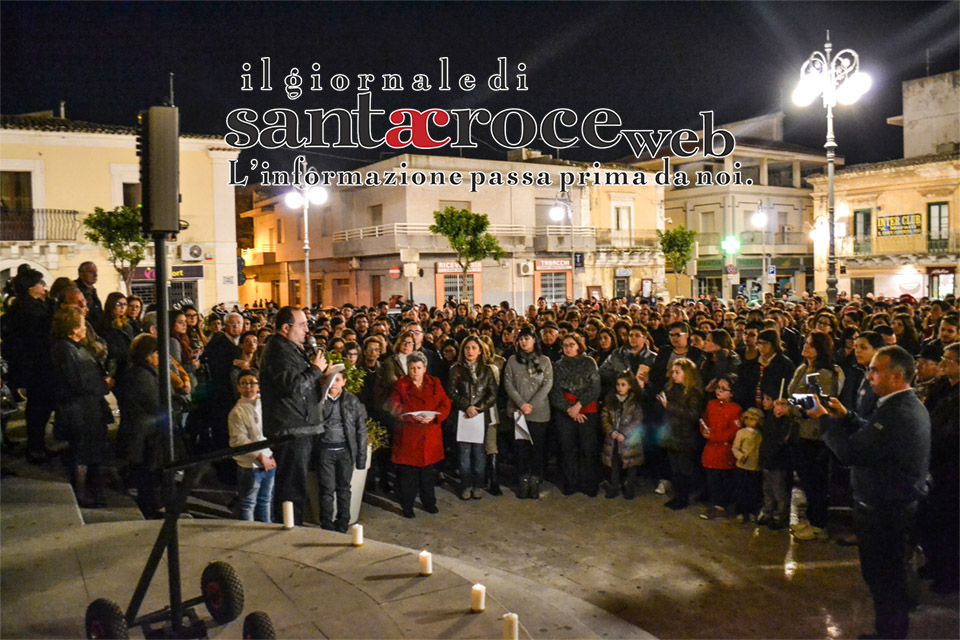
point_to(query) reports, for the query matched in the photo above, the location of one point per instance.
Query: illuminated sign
(454, 267)
(905, 225)
(185, 272)
(548, 265)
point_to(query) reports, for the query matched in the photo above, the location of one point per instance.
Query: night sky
(657, 64)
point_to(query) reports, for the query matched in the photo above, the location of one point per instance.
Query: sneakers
(465, 494)
(807, 531)
(476, 494)
(662, 488)
(713, 513)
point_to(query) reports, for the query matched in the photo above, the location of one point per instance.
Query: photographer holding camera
(888, 455)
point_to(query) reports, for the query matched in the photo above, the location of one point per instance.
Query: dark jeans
(334, 470)
(414, 480)
(473, 465)
(293, 463)
(812, 464)
(682, 464)
(37, 415)
(532, 456)
(748, 491)
(881, 537)
(719, 482)
(580, 453)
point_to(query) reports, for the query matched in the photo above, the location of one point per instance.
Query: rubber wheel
(222, 592)
(258, 626)
(105, 620)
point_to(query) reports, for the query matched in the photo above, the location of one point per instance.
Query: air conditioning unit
(191, 252)
(525, 269)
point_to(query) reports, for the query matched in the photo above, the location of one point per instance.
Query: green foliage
(376, 435)
(353, 374)
(468, 237)
(119, 232)
(677, 246)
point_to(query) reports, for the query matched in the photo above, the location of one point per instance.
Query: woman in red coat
(417, 439)
(719, 426)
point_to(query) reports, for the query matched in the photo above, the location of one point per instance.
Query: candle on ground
(511, 627)
(426, 563)
(288, 515)
(478, 598)
(356, 532)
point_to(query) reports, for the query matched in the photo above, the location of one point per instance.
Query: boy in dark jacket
(340, 448)
(775, 464)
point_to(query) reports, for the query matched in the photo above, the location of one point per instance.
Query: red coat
(723, 418)
(416, 444)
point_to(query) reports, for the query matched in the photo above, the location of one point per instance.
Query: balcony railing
(564, 230)
(416, 229)
(626, 239)
(936, 242)
(31, 225)
(773, 237)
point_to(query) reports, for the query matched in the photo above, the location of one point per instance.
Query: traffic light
(731, 245)
(158, 145)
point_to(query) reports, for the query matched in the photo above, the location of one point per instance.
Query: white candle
(511, 627)
(478, 598)
(426, 563)
(357, 534)
(288, 515)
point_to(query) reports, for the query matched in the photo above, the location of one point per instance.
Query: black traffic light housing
(158, 145)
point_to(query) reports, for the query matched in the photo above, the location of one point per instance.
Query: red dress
(416, 444)
(723, 418)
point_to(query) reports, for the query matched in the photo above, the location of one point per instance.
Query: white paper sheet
(420, 414)
(471, 429)
(520, 430)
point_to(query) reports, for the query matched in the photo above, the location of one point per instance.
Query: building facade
(55, 171)
(371, 243)
(767, 175)
(896, 223)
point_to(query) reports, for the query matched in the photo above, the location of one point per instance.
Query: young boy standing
(342, 447)
(255, 470)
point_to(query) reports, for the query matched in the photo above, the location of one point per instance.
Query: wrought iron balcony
(33, 225)
(773, 238)
(935, 242)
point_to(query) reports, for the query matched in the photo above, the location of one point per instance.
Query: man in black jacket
(888, 455)
(87, 272)
(679, 335)
(290, 394)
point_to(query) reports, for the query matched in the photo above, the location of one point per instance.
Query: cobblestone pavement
(670, 573)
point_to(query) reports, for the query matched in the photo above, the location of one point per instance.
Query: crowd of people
(728, 402)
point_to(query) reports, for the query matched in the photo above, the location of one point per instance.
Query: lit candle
(288, 515)
(357, 533)
(478, 598)
(426, 563)
(511, 627)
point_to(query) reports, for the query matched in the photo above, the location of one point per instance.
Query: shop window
(452, 287)
(553, 286)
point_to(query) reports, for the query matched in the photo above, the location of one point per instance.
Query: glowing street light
(303, 196)
(838, 79)
(564, 209)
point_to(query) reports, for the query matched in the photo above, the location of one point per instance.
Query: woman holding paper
(472, 389)
(420, 404)
(528, 377)
(576, 389)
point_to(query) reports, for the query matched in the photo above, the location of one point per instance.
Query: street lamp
(759, 221)
(839, 79)
(304, 195)
(564, 209)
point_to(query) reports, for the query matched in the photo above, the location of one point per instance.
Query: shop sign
(905, 225)
(941, 271)
(623, 273)
(552, 265)
(185, 272)
(453, 267)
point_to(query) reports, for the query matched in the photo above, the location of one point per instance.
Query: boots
(534, 492)
(523, 491)
(494, 482)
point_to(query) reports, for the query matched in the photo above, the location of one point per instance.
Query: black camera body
(806, 401)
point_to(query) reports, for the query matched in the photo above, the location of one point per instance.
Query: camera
(813, 382)
(806, 401)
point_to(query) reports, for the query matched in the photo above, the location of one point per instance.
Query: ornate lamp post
(303, 196)
(839, 79)
(564, 209)
(759, 220)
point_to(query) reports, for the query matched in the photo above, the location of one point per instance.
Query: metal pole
(573, 257)
(163, 339)
(306, 248)
(831, 146)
